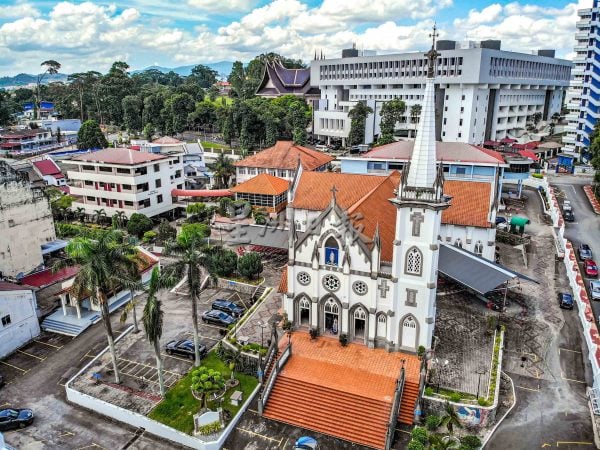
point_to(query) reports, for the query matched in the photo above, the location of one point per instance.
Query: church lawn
(214, 145)
(178, 407)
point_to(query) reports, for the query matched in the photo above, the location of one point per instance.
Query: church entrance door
(304, 312)
(332, 316)
(360, 324)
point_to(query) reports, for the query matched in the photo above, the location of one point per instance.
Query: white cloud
(222, 5)
(20, 9)
(85, 36)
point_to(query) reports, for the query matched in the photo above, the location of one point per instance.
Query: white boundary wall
(138, 420)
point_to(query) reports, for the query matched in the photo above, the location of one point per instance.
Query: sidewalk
(589, 193)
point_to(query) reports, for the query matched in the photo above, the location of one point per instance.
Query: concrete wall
(20, 306)
(151, 426)
(25, 224)
(242, 288)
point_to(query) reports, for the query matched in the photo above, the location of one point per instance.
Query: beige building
(25, 224)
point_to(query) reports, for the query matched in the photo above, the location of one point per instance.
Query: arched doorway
(331, 316)
(381, 333)
(410, 332)
(359, 325)
(304, 312)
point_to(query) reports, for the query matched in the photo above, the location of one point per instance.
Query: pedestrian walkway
(258, 327)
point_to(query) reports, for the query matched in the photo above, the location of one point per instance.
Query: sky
(90, 35)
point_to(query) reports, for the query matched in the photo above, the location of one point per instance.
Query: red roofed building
(281, 161)
(49, 172)
(120, 179)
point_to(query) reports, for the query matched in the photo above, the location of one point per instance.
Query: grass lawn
(179, 405)
(214, 145)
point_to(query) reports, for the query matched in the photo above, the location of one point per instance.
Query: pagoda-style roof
(278, 80)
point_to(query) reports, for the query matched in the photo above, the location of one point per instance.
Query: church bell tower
(420, 201)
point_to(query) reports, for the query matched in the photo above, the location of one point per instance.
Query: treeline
(152, 102)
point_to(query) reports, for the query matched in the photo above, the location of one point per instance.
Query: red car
(590, 267)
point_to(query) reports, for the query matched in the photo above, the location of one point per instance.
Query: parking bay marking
(260, 435)
(48, 344)
(32, 355)
(14, 367)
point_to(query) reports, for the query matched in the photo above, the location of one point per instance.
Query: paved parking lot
(30, 356)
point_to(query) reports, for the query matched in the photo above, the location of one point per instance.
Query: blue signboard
(28, 106)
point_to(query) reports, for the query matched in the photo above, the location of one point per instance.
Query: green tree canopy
(358, 117)
(90, 136)
(190, 231)
(391, 113)
(250, 265)
(138, 224)
(206, 381)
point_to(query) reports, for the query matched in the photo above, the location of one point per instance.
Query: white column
(78, 308)
(63, 302)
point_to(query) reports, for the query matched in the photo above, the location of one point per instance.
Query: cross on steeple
(417, 219)
(432, 54)
(333, 191)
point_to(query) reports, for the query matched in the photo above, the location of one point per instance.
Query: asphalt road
(58, 424)
(553, 412)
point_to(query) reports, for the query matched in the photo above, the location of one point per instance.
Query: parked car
(569, 216)
(218, 318)
(306, 443)
(595, 289)
(11, 418)
(184, 348)
(500, 219)
(565, 301)
(228, 307)
(585, 252)
(567, 205)
(590, 267)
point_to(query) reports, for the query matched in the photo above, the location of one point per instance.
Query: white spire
(422, 172)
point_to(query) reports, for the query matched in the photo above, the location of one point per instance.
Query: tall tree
(180, 106)
(415, 112)
(52, 67)
(152, 319)
(358, 117)
(103, 266)
(90, 136)
(190, 263)
(391, 113)
(224, 170)
(204, 76)
(132, 112)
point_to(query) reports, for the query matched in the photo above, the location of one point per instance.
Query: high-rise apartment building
(482, 92)
(583, 96)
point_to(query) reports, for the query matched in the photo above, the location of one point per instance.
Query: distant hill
(23, 79)
(223, 68)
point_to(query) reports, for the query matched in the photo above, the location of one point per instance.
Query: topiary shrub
(415, 445)
(470, 441)
(455, 397)
(149, 236)
(428, 391)
(420, 434)
(250, 265)
(343, 339)
(314, 333)
(138, 224)
(432, 422)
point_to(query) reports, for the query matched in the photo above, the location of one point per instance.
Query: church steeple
(422, 172)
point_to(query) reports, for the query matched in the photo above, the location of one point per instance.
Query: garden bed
(178, 407)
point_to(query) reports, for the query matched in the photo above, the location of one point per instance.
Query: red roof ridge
(365, 197)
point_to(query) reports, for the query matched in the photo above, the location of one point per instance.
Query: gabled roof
(123, 156)
(278, 80)
(48, 167)
(365, 197)
(48, 277)
(166, 140)
(285, 155)
(263, 184)
(455, 152)
(6, 286)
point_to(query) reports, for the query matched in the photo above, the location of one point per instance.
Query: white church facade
(370, 271)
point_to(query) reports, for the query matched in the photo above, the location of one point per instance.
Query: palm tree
(450, 419)
(439, 442)
(191, 259)
(133, 284)
(105, 263)
(80, 213)
(120, 218)
(224, 170)
(52, 68)
(153, 323)
(99, 214)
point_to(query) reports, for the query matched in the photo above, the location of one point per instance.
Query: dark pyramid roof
(285, 81)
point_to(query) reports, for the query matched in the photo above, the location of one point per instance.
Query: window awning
(474, 272)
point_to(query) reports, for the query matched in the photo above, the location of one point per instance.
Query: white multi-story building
(18, 317)
(483, 93)
(583, 96)
(119, 179)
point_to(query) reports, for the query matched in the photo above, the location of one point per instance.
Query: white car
(595, 289)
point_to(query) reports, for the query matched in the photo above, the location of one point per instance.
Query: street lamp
(262, 326)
